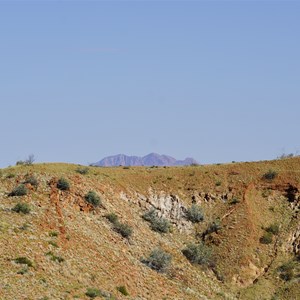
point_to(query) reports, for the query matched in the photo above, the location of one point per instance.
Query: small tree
(30, 160)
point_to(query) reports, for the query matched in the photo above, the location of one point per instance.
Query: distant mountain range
(152, 159)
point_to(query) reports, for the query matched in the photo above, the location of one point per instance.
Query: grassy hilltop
(227, 231)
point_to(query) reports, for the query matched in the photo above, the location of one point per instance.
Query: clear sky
(214, 80)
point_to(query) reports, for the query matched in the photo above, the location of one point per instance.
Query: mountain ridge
(151, 159)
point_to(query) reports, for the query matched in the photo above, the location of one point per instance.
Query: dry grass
(97, 256)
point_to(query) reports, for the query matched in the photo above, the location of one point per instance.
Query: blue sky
(214, 80)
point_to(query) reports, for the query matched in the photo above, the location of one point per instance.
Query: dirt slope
(74, 247)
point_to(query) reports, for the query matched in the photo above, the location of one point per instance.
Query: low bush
(92, 198)
(124, 229)
(158, 224)
(31, 180)
(158, 260)
(270, 175)
(54, 257)
(53, 233)
(63, 184)
(287, 270)
(122, 289)
(112, 217)
(21, 207)
(195, 214)
(215, 226)
(82, 170)
(266, 238)
(198, 254)
(23, 261)
(273, 229)
(93, 293)
(234, 201)
(20, 190)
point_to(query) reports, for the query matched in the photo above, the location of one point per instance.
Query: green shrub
(150, 215)
(234, 201)
(157, 224)
(267, 238)
(112, 217)
(218, 183)
(31, 180)
(122, 289)
(20, 190)
(55, 257)
(287, 270)
(23, 261)
(63, 184)
(124, 229)
(92, 198)
(23, 271)
(273, 228)
(195, 214)
(93, 293)
(158, 260)
(82, 170)
(21, 207)
(160, 225)
(270, 175)
(53, 233)
(10, 175)
(54, 244)
(198, 254)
